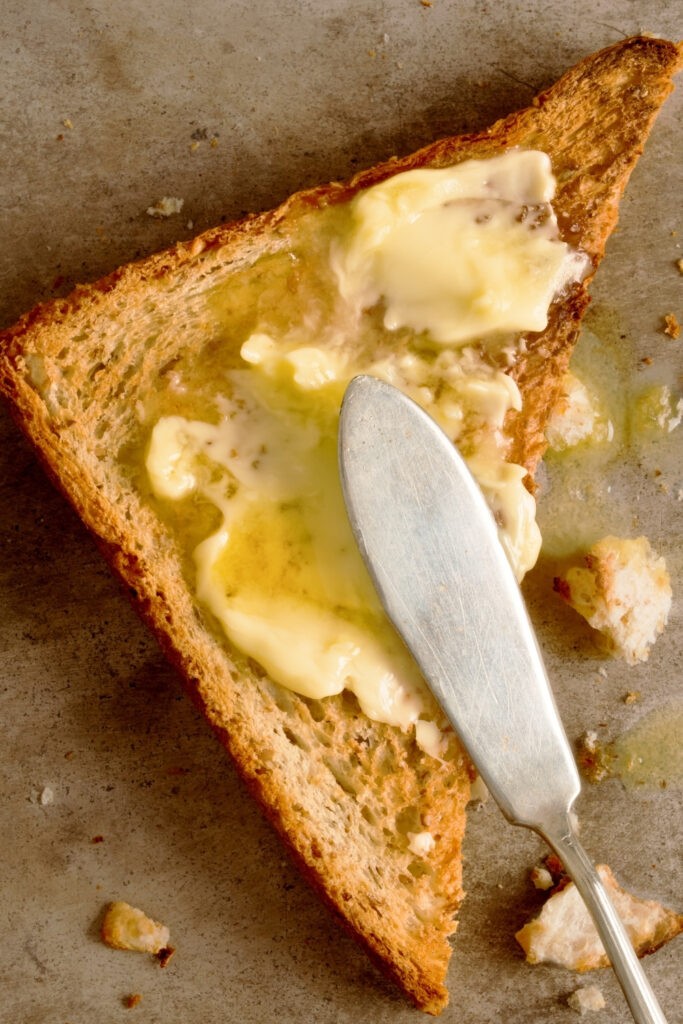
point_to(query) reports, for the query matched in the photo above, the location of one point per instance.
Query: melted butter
(246, 435)
(577, 502)
(576, 506)
(656, 410)
(651, 753)
(461, 252)
(281, 573)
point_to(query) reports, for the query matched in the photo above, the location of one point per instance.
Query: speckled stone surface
(105, 108)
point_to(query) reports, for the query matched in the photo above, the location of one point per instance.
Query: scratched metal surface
(231, 106)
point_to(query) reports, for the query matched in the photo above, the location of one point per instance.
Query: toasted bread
(345, 792)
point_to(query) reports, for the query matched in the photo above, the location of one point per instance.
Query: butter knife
(431, 546)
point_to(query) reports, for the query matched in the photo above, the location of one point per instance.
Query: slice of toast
(345, 792)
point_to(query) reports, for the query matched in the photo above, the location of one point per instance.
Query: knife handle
(625, 963)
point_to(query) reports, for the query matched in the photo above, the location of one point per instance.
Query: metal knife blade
(431, 546)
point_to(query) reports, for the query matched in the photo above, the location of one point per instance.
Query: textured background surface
(292, 94)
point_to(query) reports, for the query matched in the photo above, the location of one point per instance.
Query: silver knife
(431, 546)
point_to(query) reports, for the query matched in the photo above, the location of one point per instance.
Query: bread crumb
(586, 1000)
(541, 878)
(564, 933)
(593, 759)
(590, 740)
(632, 696)
(165, 207)
(671, 326)
(623, 591)
(576, 417)
(679, 264)
(164, 955)
(426, 3)
(479, 793)
(47, 796)
(131, 1001)
(126, 927)
(67, 122)
(97, 839)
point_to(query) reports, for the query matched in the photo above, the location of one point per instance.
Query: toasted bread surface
(342, 790)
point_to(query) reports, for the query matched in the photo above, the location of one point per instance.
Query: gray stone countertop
(111, 786)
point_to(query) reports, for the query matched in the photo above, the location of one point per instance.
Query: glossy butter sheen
(281, 572)
(460, 252)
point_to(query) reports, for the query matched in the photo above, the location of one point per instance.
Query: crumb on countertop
(576, 417)
(624, 593)
(586, 1000)
(631, 696)
(164, 955)
(671, 326)
(132, 1000)
(594, 759)
(126, 927)
(564, 934)
(165, 207)
(541, 878)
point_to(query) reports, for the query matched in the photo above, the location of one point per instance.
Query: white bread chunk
(623, 591)
(564, 933)
(126, 927)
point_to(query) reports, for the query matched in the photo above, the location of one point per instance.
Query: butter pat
(462, 252)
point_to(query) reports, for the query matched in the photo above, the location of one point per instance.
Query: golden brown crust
(337, 787)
